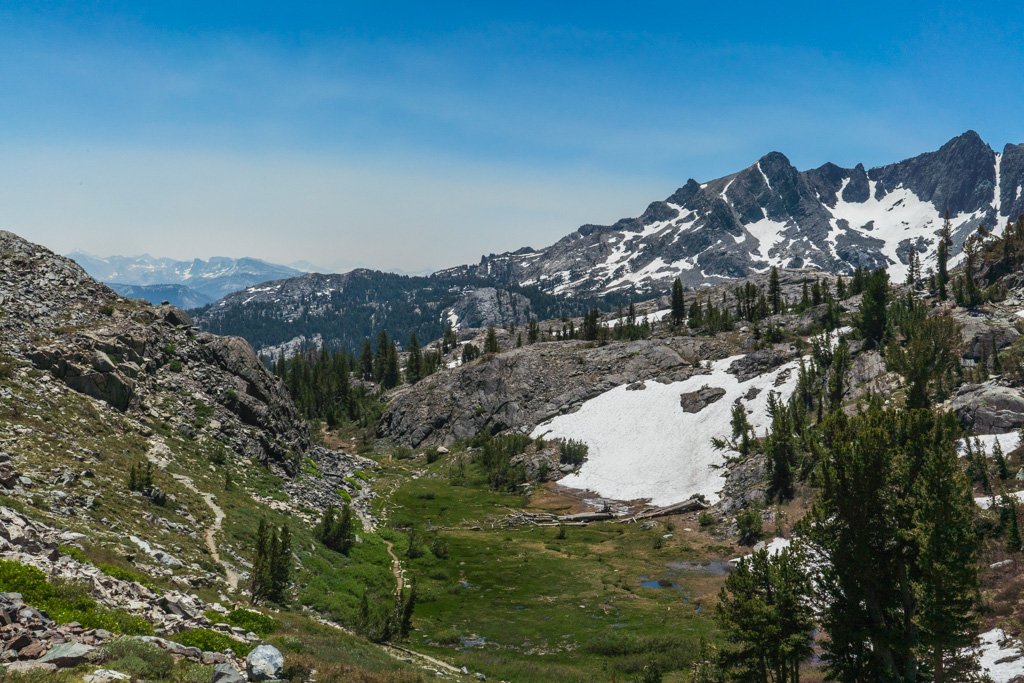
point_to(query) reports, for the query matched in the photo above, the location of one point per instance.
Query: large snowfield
(643, 445)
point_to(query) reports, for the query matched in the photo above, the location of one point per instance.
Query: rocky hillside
(137, 457)
(522, 387)
(343, 310)
(830, 218)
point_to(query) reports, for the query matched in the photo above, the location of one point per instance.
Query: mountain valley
(501, 473)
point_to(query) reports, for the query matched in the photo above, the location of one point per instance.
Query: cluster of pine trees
(337, 530)
(272, 564)
(886, 561)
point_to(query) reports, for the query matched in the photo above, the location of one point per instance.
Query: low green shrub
(67, 601)
(212, 641)
(146, 661)
(126, 575)
(254, 621)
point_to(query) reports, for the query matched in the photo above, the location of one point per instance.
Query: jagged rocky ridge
(830, 218)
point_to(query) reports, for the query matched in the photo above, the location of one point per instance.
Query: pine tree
(780, 450)
(873, 308)
(1010, 523)
(519, 340)
(678, 303)
(880, 532)
(840, 288)
(259, 582)
(280, 573)
(775, 291)
(380, 359)
(947, 588)
(1001, 469)
(765, 613)
(392, 375)
(133, 478)
(837, 374)
(931, 348)
(414, 364)
(469, 353)
(532, 332)
(491, 341)
(945, 243)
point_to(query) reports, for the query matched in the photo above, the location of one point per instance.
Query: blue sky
(418, 136)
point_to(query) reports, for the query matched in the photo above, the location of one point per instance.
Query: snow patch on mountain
(1001, 656)
(643, 445)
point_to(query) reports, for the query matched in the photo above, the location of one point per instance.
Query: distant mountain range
(176, 295)
(213, 279)
(830, 218)
(342, 310)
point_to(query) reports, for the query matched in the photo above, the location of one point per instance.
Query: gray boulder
(67, 655)
(696, 401)
(225, 673)
(264, 663)
(989, 408)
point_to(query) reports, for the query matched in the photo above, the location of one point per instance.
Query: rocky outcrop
(989, 408)
(521, 388)
(489, 306)
(982, 334)
(145, 360)
(760, 362)
(696, 401)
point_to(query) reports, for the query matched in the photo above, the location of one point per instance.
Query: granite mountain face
(830, 218)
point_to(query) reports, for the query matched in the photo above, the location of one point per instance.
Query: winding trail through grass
(211, 532)
(396, 567)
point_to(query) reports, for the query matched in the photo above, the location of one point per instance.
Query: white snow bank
(985, 502)
(651, 317)
(774, 547)
(1000, 657)
(642, 444)
(1007, 441)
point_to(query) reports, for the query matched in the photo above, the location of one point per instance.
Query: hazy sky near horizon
(422, 135)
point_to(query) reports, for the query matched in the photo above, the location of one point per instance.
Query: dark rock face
(772, 214)
(989, 408)
(696, 401)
